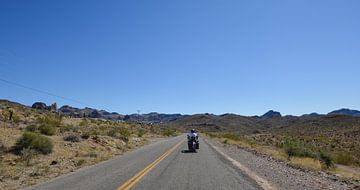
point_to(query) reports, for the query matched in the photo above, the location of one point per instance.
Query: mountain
(271, 114)
(89, 112)
(344, 111)
(94, 113)
(153, 117)
(218, 123)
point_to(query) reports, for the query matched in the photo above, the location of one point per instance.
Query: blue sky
(188, 56)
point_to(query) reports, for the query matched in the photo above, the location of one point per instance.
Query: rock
(39, 106)
(34, 174)
(53, 107)
(135, 139)
(12, 163)
(54, 162)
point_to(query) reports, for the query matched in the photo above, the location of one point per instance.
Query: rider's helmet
(192, 130)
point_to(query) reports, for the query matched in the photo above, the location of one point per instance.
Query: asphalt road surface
(161, 165)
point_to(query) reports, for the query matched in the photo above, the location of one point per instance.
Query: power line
(40, 91)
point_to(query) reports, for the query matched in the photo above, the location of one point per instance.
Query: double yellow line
(136, 178)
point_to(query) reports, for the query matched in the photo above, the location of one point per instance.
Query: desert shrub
(124, 133)
(50, 120)
(211, 135)
(231, 136)
(80, 162)
(2, 148)
(94, 132)
(92, 154)
(47, 130)
(85, 135)
(296, 148)
(112, 132)
(72, 138)
(326, 159)
(34, 141)
(27, 154)
(67, 128)
(32, 128)
(169, 132)
(141, 132)
(84, 122)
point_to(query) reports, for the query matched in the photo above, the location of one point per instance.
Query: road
(161, 165)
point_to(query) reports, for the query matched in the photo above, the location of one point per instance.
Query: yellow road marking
(136, 178)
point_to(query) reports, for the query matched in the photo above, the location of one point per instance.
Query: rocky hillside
(348, 112)
(89, 113)
(37, 144)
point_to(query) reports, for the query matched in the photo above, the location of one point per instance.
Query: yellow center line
(136, 178)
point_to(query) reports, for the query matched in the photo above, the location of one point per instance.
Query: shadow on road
(188, 151)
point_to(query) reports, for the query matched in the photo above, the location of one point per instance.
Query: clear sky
(188, 56)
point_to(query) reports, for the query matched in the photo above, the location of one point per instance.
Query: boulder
(39, 106)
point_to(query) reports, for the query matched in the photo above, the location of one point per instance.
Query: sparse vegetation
(34, 141)
(169, 132)
(141, 132)
(124, 133)
(326, 159)
(24, 147)
(296, 148)
(27, 154)
(80, 162)
(47, 130)
(72, 138)
(32, 128)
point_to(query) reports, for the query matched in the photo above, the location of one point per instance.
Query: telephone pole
(138, 115)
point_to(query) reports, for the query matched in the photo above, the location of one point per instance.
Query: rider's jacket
(192, 135)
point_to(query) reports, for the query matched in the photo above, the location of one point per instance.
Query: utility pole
(138, 115)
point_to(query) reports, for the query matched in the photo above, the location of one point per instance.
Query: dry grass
(347, 172)
(95, 146)
(307, 163)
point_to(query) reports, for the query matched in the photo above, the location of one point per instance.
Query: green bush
(295, 148)
(47, 130)
(169, 132)
(124, 133)
(326, 159)
(112, 132)
(34, 141)
(32, 128)
(141, 132)
(50, 120)
(67, 128)
(84, 122)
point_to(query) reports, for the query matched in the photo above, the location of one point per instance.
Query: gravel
(280, 174)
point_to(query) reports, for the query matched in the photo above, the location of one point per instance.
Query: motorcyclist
(193, 138)
(193, 134)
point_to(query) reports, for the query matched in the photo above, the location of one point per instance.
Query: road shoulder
(279, 174)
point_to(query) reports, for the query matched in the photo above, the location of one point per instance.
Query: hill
(344, 111)
(37, 144)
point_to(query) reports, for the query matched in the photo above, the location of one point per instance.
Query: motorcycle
(193, 144)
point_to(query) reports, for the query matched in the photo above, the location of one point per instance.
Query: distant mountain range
(165, 118)
(350, 112)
